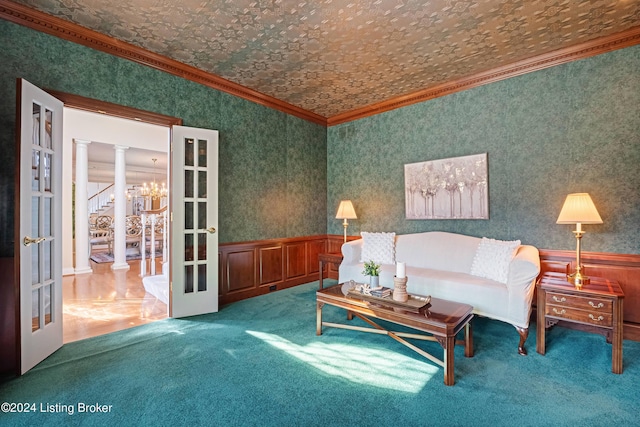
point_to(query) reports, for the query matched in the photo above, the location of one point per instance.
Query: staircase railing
(99, 200)
(153, 221)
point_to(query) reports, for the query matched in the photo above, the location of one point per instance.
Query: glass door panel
(195, 281)
(39, 210)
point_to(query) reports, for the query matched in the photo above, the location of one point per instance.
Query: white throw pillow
(378, 247)
(492, 259)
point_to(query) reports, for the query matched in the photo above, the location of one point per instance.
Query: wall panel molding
(270, 269)
(315, 247)
(9, 318)
(258, 267)
(239, 266)
(296, 258)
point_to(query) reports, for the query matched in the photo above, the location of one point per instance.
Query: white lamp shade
(579, 208)
(346, 211)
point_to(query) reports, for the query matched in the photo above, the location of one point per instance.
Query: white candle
(400, 270)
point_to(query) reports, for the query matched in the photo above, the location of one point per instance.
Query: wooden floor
(107, 301)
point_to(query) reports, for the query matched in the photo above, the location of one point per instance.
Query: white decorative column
(143, 251)
(82, 213)
(120, 211)
(154, 218)
(165, 233)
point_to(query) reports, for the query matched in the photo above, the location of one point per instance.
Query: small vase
(374, 281)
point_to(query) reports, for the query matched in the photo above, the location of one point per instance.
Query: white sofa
(440, 264)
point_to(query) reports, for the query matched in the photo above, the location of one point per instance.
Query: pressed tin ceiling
(330, 57)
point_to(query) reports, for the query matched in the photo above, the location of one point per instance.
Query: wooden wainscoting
(625, 269)
(248, 269)
(334, 244)
(8, 318)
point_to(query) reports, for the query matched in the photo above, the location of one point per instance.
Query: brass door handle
(211, 230)
(29, 240)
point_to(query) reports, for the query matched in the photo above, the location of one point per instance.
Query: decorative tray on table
(414, 303)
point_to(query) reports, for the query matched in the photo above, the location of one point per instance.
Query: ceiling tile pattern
(331, 56)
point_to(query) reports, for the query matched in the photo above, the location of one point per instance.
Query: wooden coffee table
(441, 319)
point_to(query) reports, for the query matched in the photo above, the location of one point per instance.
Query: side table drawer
(585, 303)
(584, 316)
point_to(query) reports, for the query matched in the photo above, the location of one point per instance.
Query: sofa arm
(523, 270)
(524, 267)
(351, 251)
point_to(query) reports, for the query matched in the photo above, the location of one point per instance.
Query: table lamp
(578, 209)
(345, 212)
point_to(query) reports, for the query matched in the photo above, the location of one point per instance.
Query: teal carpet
(258, 362)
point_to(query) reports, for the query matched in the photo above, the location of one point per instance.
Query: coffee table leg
(468, 340)
(449, 347)
(319, 318)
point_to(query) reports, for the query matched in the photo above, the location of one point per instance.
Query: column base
(84, 270)
(120, 266)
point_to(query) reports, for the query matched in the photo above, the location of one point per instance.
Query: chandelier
(153, 190)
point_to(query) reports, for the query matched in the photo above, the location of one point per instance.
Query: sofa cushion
(492, 259)
(378, 247)
(437, 250)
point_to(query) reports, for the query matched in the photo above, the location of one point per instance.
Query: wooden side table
(597, 305)
(334, 258)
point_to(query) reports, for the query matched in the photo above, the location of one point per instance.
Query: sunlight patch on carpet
(362, 365)
(108, 310)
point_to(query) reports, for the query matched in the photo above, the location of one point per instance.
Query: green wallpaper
(570, 128)
(272, 165)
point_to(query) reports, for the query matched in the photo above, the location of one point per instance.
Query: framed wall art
(453, 188)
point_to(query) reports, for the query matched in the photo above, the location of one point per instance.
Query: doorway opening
(106, 300)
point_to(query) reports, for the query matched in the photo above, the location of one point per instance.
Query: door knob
(211, 230)
(29, 240)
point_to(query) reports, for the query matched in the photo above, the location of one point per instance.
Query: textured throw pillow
(492, 259)
(378, 247)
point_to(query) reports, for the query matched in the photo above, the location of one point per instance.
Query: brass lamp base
(578, 279)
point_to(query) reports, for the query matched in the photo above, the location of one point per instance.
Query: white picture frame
(453, 188)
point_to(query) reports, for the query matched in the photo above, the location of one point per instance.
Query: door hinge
(171, 217)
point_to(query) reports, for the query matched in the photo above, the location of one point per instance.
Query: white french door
(39, 245)
(194, 220)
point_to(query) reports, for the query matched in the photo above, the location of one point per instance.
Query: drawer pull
(563, 311)
(598, 319)
(556, 299)
(600, 305)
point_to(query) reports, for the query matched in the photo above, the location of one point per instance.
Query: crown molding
(40, 21)
(621, 40)
(66, 30)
